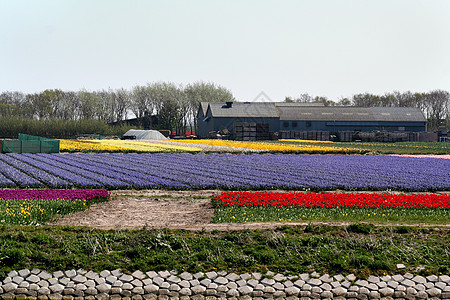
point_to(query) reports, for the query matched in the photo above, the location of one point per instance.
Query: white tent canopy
(145, 134)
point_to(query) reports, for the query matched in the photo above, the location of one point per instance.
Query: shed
(143, 135)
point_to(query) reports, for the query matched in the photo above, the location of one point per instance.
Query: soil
(157, 209)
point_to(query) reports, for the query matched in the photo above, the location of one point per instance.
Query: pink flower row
(67, 194)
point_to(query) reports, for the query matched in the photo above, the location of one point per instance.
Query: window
(294, 123)
(285, 124)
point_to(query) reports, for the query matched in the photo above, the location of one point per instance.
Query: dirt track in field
(155, 209)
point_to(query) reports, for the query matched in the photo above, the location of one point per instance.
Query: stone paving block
(279, 277)
(314, 282)
(151, 274)
(335, 284)
(351, 277)
(372, 287)
(361, 283)
(268, 281)
(232, 277)
(79, 278)
(398, 278)
(186, 276)
(278, 286)
(43, 283)
(117, 283)
(198, 289)
(326, 287)
(33, 278)
(419, 279)
(339, 291)
(292, 291)
(89, 283)
(212, 286)
(353, 288)
(279, 294)
(185, 292)
(164, 274)
(252, 282)
(420, 287)
(151, 288)
(211, 275)
(56, 288)
(205, 282)
(326, 278)
(421, 295)
(233, 293)
(138, 275)
(137, 282)
(164, 285)
(304, 276)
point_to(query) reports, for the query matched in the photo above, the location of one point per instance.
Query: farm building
(281, 116)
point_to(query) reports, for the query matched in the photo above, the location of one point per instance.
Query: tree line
(435, 104)
(174, 105)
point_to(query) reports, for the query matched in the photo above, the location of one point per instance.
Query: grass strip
(359, 248)
(381, 215)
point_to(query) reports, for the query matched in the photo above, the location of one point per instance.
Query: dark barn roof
(244, 110)
(311, 112)
(349, 113)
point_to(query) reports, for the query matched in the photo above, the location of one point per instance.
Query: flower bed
(243, 207)
(357, 200)
(34, 206)
(121, 146)
(275, 147)
(224, 171)
(75, 194)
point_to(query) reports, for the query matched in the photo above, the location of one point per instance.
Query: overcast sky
(282, 48)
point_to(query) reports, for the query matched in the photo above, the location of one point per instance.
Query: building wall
(297, 125)
(215, 124)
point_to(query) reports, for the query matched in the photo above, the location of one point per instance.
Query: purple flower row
(224, 171)
(81, 194)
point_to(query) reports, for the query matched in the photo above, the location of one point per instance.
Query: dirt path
(190, 210)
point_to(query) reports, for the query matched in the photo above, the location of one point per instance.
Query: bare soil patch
(131, 209)
(155, 209)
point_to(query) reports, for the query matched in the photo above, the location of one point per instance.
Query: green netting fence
(30, 144)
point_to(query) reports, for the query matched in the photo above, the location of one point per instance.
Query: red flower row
(359, 200)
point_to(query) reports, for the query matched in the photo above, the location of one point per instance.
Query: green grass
(359, 248)
(387, 148)
(37, 211)
(246, 214)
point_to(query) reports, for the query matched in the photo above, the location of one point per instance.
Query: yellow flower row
(119, 146)
(145, 146)
(265, 146)
(305, 141)
(86, 146)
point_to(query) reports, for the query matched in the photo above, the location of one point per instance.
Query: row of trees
(435, 104)
(174, 105)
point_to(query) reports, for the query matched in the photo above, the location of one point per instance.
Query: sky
(273, 48)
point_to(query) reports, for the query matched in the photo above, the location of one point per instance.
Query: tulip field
(224, 171)
(243, 207)
(38, 206)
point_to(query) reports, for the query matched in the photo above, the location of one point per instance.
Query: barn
(282, 116)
